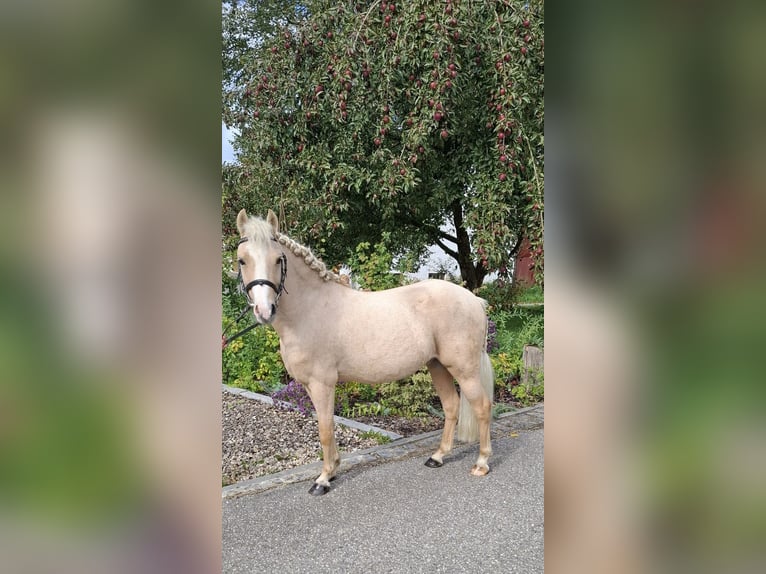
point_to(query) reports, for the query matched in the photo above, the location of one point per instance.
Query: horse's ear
(272, 220)
(241, 220)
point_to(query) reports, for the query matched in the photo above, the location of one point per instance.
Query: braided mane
(311, 260)
(257, 229)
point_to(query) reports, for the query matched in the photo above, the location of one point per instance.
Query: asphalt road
(399, 516)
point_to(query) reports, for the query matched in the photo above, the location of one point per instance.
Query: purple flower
(293, 396)
(492, 344)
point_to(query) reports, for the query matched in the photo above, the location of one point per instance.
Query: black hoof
(433, 463)
(318, 489)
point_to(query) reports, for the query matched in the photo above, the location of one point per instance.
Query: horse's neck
(306, 298)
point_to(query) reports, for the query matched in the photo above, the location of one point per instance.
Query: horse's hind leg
(323, 397)
(481, 405)
(445, 388)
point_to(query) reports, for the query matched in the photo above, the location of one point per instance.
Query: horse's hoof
(433, 463)
(477, 470)
(318, 489)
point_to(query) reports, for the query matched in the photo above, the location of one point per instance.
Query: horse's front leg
(323, 397)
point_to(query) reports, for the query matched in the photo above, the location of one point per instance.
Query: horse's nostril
(273, 309)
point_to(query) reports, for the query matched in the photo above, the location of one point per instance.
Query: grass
(533, 294)
(380, 438)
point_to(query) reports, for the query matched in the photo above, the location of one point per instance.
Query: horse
(329, 332)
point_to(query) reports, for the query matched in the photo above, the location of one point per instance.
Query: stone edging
(505, 424)
(339, 420)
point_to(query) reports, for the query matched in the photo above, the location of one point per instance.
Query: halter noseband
(278, 289)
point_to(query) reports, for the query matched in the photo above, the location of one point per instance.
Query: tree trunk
(472, 274)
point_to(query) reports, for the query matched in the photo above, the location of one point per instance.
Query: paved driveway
(400, 516)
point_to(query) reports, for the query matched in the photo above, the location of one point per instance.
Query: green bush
(350, 394)
(503, 296)
(499, 294)
(530, 393)
(411, 397)
(515, 330)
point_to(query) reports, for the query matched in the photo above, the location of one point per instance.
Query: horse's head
(262, 264)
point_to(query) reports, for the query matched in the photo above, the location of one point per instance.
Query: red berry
(523, 49)
(437, 117)
(503, 158)
(444, 134)
(525, 23)
(502, 176)
(376, 141)
(386, 119)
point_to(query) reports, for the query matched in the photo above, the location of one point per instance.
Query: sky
(227, 152)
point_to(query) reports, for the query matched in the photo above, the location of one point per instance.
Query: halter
(278, 289)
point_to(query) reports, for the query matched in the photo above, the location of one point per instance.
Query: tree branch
(447, 236)
(446, 249)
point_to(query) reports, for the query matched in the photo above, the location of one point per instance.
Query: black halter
(278, 289)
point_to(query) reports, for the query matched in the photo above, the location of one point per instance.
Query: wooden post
(532, 360)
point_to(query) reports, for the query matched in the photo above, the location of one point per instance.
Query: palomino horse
(329, 332)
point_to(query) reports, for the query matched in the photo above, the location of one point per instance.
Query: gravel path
(260, 439)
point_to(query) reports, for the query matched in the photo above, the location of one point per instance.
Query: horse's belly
(382, 364)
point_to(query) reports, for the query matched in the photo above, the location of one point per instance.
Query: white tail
(467, 424)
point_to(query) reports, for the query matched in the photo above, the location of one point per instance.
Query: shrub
(515, 330)
(253, 361)
(410, 397)
(502, 296)
(349, 394)
(499, 294)
(531, 393)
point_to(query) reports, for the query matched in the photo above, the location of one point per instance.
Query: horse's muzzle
(260, 317)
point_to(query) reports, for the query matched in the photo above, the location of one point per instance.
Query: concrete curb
(339, 420)
(505, 425)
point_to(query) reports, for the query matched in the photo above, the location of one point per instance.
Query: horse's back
(429, 314)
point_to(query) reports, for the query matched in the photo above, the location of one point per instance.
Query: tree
(360, 117)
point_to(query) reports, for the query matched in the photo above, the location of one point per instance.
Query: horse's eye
(241, 261)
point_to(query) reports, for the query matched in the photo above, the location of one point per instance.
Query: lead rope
(226, 340)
